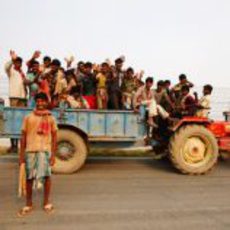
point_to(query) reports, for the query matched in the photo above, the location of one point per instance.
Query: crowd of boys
(88, 86)
(100, 86)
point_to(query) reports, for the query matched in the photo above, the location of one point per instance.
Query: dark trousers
(115, 101)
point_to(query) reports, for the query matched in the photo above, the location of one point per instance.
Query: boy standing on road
(38, 146)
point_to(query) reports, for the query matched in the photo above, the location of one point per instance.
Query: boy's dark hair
(18, 59)
(56, 62)
(42, 96)
(208, 87)
(130, 69)
(88, 65)
(118, 61)
(34, 62)
(167, 82)
(182, 77)
(75, 89)
(160, 83)
(46, 58)
(149, 79)
(69, 72)
(105, 64)
(185, 88)
(80, 63)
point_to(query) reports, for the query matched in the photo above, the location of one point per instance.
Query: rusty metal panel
(1, 117)
(13, 120)
(97, 124)
(71, 118)
(131, 126)
(100, 124)
(56, 114)
(142, 129)
(83, 121)
(115, 124)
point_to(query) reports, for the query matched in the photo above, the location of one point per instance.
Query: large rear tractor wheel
(71, 152)
(193, 150)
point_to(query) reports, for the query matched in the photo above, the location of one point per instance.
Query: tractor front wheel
(193, 150)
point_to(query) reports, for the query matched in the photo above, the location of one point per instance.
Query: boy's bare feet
(25, 211)
(48, 208)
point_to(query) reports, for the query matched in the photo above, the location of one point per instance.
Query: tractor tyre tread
(174, 146)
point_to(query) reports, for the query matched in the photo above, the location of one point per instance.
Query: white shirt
(143, 97)
(16, 85)
(61, 83)
(205, 102)
(73, 103)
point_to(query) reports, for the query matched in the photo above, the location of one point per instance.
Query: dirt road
(123, 194)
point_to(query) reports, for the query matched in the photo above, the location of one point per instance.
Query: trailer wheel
(71, 152)
(193, 150)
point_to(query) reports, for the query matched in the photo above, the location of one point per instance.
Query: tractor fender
(191, 120)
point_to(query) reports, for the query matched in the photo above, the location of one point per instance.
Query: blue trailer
(193, 143)
(78, 131)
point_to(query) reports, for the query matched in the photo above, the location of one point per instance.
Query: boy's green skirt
(37, 165)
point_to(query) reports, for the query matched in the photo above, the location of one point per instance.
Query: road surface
(118, 193)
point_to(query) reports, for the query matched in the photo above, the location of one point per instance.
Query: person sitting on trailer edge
(145, 99)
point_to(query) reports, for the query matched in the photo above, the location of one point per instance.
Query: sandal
(25, 211)
(48, 208)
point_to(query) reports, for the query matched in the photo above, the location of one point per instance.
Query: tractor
(193, 144)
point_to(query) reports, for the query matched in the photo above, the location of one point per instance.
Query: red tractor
(194, 143)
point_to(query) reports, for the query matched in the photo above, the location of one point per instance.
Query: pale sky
(163, 37)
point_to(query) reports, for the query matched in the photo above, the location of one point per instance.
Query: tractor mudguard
(190, 120)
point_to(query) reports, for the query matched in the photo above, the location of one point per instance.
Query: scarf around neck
(44, 127)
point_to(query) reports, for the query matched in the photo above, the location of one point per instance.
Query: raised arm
(36, 55)
(9, 64)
